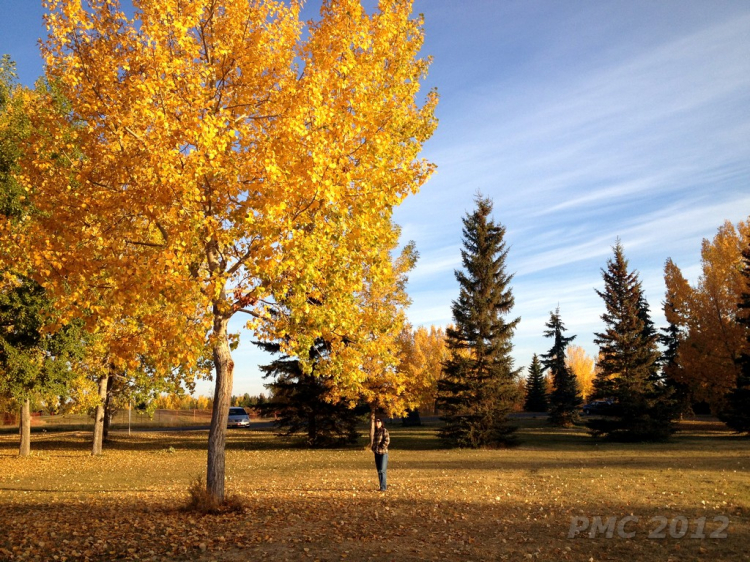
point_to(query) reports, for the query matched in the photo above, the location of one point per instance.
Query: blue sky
(584, 121)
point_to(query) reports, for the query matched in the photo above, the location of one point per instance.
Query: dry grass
(62, 504)
(122, 419)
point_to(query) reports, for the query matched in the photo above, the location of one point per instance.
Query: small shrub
(202, 502)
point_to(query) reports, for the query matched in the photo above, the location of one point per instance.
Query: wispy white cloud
(437, 264)
(639, 127)
(647, 144)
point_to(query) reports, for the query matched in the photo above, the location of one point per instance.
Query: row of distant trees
(701, 361)
(645, 378)
(643, 386)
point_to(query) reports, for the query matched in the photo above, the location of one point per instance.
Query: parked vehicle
(598, 408)
(238, 418)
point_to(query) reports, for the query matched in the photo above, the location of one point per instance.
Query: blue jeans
(381, 463)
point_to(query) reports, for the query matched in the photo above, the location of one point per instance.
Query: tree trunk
(372, 427)
(312, 429)
(25, 429)
(108, 408)
(217, 435)
(96, 449)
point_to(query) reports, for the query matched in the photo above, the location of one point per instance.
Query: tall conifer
(642, 409)
(566, 396)
(479, 387)
(671, 337)
(649, 334)
(536, 388)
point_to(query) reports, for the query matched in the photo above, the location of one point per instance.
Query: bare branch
(149, 244)
(133, 134)
(240, 261)
(163, 232)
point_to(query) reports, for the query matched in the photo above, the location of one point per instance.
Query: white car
(238, 418)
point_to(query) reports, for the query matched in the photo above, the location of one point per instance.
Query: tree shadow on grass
(237, 440)
(368, 525)
(534, 434)
(508, 463)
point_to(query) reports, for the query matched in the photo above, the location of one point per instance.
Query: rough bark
(108, 408)
(96, 448)
(222, 397)
(372, 427)
(25, 429)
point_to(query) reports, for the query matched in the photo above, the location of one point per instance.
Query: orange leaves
(706, 315)
(192, 161)
(582, 367)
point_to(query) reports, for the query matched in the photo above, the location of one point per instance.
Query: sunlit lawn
(516, 504)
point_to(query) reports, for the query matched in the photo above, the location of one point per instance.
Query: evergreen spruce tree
(565, 399)
(737, 413)
(649, 334)
(642, 408)
(479, 387)
(536, 388)
(299, 400)
(670, 338)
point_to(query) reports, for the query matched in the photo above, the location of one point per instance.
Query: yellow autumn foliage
(198, 159)
(583, 368)
(706, 314)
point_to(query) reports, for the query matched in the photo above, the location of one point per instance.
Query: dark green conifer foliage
(737, 413)
(649, 334)
(479, 387)
(565, 399)
(299, 400)
(642, 408)
(671, 338)
(536, 388)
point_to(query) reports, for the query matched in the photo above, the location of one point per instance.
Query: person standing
(380, 443)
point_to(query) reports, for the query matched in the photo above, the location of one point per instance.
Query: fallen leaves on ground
(62, 504)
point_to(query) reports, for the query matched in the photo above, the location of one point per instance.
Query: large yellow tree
(224, 157)
(711, 338)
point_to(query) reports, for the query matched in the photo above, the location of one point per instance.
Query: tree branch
(149, 244)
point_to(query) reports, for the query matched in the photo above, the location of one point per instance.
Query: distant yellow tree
(224, 158)
(706, 316)
(582, 366)
(203, 403)
(381, 383)
(423, 352)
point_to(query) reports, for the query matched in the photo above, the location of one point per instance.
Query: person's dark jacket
(381, 441)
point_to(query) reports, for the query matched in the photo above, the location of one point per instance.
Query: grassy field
(296, 504)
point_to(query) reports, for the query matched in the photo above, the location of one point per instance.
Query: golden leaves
(188, 151)
(706, 315)
(582, 367)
